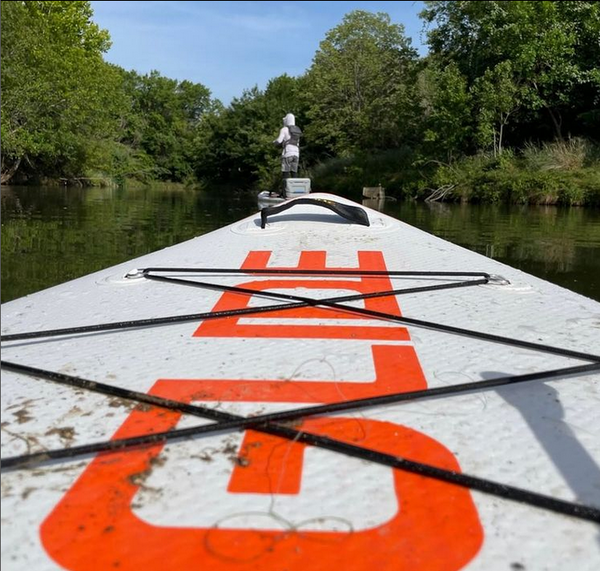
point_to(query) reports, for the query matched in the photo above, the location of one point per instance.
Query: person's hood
(288, 120)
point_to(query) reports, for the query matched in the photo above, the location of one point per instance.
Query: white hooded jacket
(284, 135)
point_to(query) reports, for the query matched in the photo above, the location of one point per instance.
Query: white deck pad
(268, 499)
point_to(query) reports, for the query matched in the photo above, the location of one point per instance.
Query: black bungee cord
(226, 421)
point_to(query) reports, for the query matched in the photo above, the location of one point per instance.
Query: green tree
(447, 108)
(59, 98)
(553, 48)
(162, 121)
(359, 85)
(236, 143)
(498, 97)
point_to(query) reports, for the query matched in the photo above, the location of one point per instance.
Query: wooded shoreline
(505, 107)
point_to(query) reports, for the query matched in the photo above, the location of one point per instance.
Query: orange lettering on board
(264, 461)
(435, 525)
(368, 261)
(397, 369)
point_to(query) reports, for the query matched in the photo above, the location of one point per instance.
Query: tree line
(506, 86)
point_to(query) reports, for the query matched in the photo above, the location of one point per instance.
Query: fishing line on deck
(226, 421)
(27, 460)
(535, 499)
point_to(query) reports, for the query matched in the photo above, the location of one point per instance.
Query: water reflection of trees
(51, 235)
(543, 240)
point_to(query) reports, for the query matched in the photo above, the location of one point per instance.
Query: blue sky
(231, 46)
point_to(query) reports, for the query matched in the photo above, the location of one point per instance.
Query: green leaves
(446, 104)
(66, 112)
(236, 143)
(498, 96)
(160, 123)
(58, 94)
(358, 85)
(498, 75)
(553, 49)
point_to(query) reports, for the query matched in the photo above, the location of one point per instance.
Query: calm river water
(51, 235)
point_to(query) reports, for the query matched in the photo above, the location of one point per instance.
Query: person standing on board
(289, 140)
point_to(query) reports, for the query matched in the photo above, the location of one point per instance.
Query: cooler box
(297, 186)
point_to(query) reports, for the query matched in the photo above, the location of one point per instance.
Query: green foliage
(395, 169)
(552, 47)
(498, 96)
(511, 178)
(59, 98)
(67, 113)
(236, 143)
(159, 126)
(572, 154)
(504, 107)
(361, 86)
(446, 105)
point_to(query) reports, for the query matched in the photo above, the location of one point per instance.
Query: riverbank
(564, 173)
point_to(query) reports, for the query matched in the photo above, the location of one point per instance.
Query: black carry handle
(352, 213)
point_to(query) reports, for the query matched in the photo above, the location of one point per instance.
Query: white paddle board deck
(363, 488)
